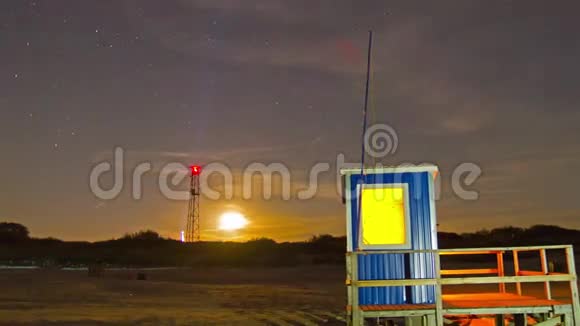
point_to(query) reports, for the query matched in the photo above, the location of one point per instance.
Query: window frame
(407, 217)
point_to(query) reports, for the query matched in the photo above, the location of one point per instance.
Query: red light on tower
(195, 169)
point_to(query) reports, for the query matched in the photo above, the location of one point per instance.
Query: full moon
(231, 221)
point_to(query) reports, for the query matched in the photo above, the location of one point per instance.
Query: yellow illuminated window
(383, 216)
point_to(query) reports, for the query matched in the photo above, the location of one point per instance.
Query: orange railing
(521, 276)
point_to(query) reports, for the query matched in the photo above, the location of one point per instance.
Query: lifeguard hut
(393, 261)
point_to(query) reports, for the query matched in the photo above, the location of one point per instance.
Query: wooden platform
(498, 304)
(472, 301)
(494, 300)
(396, 307)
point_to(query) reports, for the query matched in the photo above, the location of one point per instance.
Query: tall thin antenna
(364, 118)
(364, 128)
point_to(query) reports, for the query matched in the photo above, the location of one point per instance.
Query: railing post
(357, 319)
(573, 285)
(500, 270)
(517, 271)
(438, 290)
(349, 287)
(544, 261)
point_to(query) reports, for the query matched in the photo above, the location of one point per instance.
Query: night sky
(489, 82)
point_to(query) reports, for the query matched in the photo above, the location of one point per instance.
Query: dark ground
(306, 295)
(218, 296)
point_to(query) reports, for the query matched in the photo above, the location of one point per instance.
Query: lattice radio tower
(192, 233)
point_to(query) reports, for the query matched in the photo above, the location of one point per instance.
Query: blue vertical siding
(422, 265)
(398, 266)
(381, 267)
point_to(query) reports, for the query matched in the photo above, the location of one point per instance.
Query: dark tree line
(148, 248)
(10, 232)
